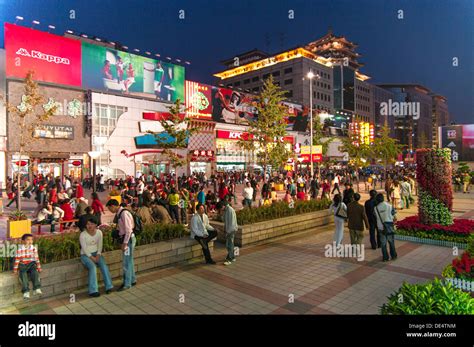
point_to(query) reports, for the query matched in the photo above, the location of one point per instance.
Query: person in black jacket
(348, 194)
(369, 211)
(314, 188)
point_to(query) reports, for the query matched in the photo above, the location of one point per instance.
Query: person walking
(97, 207)
(230, 228)
(356, 218)
(203, 232)
(385, 215)
(248, 193)
(339, 209)
(396, 196)
(369, 211)
(91, 241)
(173, 201)
(125, 224)
(405, 192)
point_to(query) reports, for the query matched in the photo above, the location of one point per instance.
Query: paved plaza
(287, 276)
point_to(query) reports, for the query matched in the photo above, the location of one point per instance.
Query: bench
(61, 225)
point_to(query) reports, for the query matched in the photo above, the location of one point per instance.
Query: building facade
(440, 116)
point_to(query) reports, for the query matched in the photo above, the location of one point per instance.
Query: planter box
(462, 284)
(431, 241)
(116, 197)
(16, 229)
(264, 232)
(71, 277)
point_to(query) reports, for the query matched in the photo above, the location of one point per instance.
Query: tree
(386, 148)
(265, 134)
(28, 119)
(177, 131)
(319, 136)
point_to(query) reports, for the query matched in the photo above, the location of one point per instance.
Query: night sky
(418, 49)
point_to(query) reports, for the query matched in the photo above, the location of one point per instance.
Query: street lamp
(94, 155)
(310, 76)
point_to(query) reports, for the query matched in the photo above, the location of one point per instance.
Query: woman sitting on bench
(46, 216)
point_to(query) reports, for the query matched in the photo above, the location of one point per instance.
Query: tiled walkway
(264, 280)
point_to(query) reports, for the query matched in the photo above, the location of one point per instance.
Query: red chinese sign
(238, 135)
(202, 155)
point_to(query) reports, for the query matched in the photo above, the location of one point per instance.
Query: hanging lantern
(21, 163)
(76, 163)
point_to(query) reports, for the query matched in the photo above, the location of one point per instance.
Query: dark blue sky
(418, 49)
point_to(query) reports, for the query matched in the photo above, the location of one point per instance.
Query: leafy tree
(319, 135)
(266, 131)
(177, 131)
(386, 148)
(28, 119)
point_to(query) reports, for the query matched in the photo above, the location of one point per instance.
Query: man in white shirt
(248, 195)
(203, 232)
(385, 215)
(140, 190)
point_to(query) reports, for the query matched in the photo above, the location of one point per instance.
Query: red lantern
(77, 163)
(21, 163)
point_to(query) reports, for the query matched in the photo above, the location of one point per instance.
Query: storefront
(231, 157)
(57, 146)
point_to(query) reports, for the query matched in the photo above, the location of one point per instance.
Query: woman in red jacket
(97, 207)
(79, 191)
(53, 195)
(68, 212)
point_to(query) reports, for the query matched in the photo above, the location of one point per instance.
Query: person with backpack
(127, 225)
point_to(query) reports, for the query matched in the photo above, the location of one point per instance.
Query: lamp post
(94, 155)
(310, 77)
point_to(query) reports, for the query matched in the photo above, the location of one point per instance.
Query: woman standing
(91, 256)
(97, 207)
(339, 209)
(396, 195)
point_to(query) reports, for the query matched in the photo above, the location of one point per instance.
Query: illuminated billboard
(108, 69)
(460, 139)
(198, 100)
(230, 106)
(53, 58)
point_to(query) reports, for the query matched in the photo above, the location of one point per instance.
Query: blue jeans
(128, 265)
(29, 272)
(390, 238)
(92, 267)
(229, 244)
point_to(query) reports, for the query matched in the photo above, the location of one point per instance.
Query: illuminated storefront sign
(238, 135)
(46, 131)
(198, 100)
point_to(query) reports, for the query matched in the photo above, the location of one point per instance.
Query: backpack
(137, 222)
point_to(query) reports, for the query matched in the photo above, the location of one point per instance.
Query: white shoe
(234, 260)
(26, 295)
(37, 292)
(227, 262)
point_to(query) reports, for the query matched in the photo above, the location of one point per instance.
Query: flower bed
(433, 297)
(63, 247)
(460, 231)
(279, 210)
(461, 271)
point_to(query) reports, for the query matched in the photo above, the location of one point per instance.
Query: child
(27, 261)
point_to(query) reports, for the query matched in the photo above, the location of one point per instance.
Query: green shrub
(433, 297)
(279, 210)
(63, 247)
(435, 235)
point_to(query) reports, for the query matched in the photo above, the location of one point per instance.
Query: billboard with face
(52, 58)
(298, 117)
(230, 106)
(108, 69)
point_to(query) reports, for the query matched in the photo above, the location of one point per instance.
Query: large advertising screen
(108, 69)
(230, 106)
(53, 58)
(460, 139)
(198, 100)
(298, 116)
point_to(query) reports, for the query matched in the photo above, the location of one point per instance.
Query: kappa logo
(37, 330)
(42, 56)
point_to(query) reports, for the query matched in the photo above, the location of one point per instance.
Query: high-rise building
(411, 109)
(381, 97)
(440, 116)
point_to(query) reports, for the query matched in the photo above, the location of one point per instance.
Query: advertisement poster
(47, 131)
(198, 100)
(108, 69)
(460, 139)
(230, 106)
(298, 117)
(53, 58)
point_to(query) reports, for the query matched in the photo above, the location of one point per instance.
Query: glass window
(289, 81)
(276, 73)
(237, 84)
(255, 79)
(288, 70)
(247, 81)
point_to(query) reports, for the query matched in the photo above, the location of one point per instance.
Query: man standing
(314, 188)
(125, 224)
(203, 232)
(230, 228)
(248, 195)
(385, 213)
(369, 211)
(356, 219)
(140, 190)
(405, 188)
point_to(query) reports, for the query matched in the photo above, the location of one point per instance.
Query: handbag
(386, 231)
(341, 213)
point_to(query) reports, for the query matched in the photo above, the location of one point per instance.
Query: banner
(460, 139)
(53, 58)
(108, 69)
(230, 106)
(198, 100)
